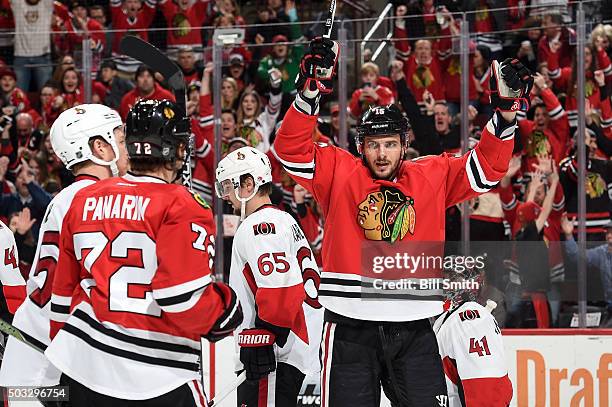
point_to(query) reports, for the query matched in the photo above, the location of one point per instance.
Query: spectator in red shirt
(79, 26)
(554, 32)
(548, 133)
(565, 79)
(132, 16)
(50, 105)
(11, 93)
(146, 88)
(423, 72)
(184, 19)
(71, 89)
(371, 93)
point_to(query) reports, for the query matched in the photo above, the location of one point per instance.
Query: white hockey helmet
(245, 160)
(72, 130)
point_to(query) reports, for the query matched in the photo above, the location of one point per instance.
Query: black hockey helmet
(155, 128)
(382, 121)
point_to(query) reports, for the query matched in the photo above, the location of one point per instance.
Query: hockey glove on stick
(230, 318)
(257, 352)
(510, 84)
(317, 71)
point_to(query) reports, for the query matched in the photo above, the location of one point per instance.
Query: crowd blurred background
(411, 59)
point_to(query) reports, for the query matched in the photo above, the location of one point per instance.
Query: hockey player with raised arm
(275, 276)
(135, 293)
(372, 336)
(89, 141)
(471, 347)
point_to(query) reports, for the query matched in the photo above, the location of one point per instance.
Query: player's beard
(388, 176)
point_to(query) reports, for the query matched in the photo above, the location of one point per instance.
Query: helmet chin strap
(111, 164)
(243, 201)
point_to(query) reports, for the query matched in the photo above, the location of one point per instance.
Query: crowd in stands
(537, 201)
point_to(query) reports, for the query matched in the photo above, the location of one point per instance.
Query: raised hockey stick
(228, 390)
(329, 22)
(20, 336)
(148, 54)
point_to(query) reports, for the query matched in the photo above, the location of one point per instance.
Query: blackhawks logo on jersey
(422, 77)
(537, 144)
(201, 201)
(181, 23)
(387, 215)
(595, 185)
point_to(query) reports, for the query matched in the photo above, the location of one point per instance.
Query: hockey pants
(360, 357)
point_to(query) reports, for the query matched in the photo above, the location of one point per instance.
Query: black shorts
(361, 357)
(188, 395)
(279, 389)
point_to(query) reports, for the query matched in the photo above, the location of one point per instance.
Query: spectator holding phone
(371, 93)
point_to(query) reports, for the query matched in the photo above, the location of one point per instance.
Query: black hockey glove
(230, 318)
(510, 84)
(257, 352)
(317, 71)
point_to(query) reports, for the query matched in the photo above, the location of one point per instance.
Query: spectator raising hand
(23, 222)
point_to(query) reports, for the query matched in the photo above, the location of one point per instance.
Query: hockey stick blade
(228, 390)
(329, 21)
(17, 334)
(148, 54)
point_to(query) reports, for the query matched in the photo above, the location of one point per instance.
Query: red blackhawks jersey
(275, 276)
(185, 24)
(13, 284)
(360, 211)
(470, 344)
(124, 24)
(135, 294)
(23, 366)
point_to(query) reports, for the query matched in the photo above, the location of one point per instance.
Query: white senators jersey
(472, 352)
(22, 365)
(13, 284)
(275, 276)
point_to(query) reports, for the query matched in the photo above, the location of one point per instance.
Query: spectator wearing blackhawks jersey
(547, 133)
(89, 141)
(184, 19)
(472, 349)
(134, 16)
(135, 293)
(275, 276)
(383, 201)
